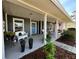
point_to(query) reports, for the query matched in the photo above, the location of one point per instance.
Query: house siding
(27, 26)
(39, 27)
(10, 23)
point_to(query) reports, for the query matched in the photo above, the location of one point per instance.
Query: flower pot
(22, 43)
(30, 43)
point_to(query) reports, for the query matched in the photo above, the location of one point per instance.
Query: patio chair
(21, 35)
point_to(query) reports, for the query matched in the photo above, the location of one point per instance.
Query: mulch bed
(38, 54)
(67, 41)
(60, 54)
(64, 54)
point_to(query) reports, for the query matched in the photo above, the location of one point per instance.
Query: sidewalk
(65, 46)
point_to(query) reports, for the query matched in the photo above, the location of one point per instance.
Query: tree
(73, 15)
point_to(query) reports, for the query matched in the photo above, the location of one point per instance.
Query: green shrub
(9, 33)
(48, 39)
(49, 48)
(72, 29)
(69, 34)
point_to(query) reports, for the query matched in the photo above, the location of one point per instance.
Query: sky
(69, 5)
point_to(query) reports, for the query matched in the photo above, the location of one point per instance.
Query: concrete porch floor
(13, 52)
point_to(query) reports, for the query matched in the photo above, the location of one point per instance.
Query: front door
(34, 27)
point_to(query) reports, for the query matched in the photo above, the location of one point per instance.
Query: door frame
(35, 27)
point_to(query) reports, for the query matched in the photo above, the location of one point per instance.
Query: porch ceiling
(44, 5)
(49, 7)
(16, 10)
(19, 11)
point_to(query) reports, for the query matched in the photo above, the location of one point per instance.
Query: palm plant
(49, 48)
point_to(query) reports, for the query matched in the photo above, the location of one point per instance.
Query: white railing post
(45, 28)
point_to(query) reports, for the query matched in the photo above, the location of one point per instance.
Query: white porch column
(6, 22)
(45, 28)
(2, 37)
(56, 29)
(63, 26)
(41, 27)
(30, 28)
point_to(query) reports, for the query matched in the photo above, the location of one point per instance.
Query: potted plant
(9, 35)
(30, 43)
(12, 34)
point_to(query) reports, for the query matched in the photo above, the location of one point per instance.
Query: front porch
(13, 51)
(37, 25)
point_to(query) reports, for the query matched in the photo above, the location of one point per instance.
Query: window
(18, 24)
(34, 27)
